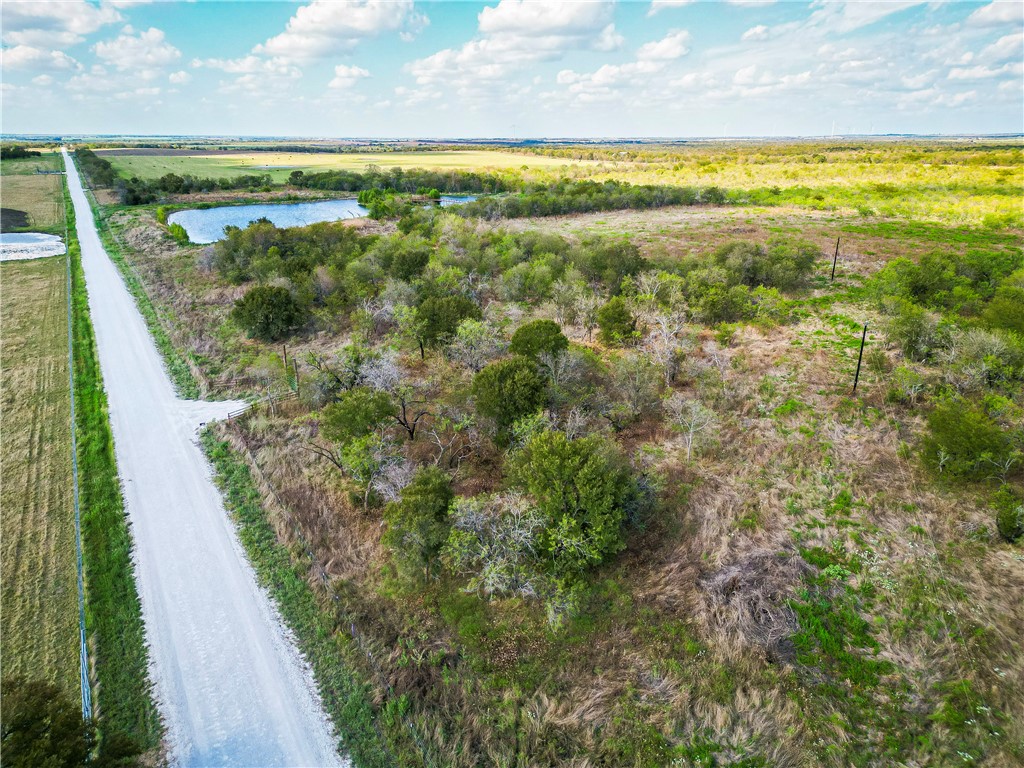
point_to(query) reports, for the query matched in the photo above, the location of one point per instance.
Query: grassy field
(48, 161)
(39, 599)
(953, 183)
(38, 198)
(280, 164)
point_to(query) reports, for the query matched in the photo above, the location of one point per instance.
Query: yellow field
(280, 164)
(38, 196)
(38, 596)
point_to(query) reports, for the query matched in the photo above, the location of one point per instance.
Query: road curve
(230, 685)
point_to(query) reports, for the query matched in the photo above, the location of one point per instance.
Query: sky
(512, 68)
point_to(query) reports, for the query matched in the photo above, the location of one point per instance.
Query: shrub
(440, 317)
(508, 390)
(267, 313)
(357, 413)
(912, 328)
(1009, 508)
(579, 487)
(616, 323)
(178, 234)
(964, 441)
(418, 522)
(1006, 310)
(784, 264)
(538, 337)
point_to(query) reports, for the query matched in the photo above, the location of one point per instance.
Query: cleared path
(230, 685)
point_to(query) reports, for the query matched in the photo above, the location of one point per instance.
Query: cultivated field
(38, 605)
(47, 161)
(151, 165)
(31, 202)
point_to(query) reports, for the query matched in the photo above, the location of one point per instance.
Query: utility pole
(860, 357)
(834, 260)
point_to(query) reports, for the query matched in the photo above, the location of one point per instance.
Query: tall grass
(123, 700)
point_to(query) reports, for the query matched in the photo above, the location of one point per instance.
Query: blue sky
(399, 68)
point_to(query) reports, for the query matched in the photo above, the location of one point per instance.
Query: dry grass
(280, 164)
(39, 595)
(38, 196)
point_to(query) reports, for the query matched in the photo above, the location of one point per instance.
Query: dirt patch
(12, 219)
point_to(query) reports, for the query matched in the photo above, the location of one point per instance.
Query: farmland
(949, 182)
(805, 584)
(39, 603)
(32, 203)
(278, 165)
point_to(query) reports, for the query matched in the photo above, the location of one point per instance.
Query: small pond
(206, 225)
(15, 246)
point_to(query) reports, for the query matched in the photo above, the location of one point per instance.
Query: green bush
(616, 323)
(178, 234)
(507, 390)
(964, 441)
(580, 488)
(538, 337)
(913, 329)
(784, 264)
(1009, 508)
(267, 313)
(357, 413)
(418, 522)
(440, 316)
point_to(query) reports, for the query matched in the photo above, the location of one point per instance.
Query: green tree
(41, 728)
(508, 390)
(439, 317)
(616, 323)
(538, 337)
(357, 412)
(579, 488)
(417, 524)
(267, 313)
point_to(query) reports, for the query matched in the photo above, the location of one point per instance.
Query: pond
(206, 225)
(29, 245)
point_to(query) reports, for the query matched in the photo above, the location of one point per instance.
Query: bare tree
(692, 418)
(587, 305)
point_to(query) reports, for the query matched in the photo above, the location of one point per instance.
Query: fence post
(860, 357)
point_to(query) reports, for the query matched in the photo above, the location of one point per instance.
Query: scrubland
(753, 564)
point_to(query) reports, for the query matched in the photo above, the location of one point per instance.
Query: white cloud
(672, 46)
(42, 23)
(513, 34)
(750, 3)
(180, 78)
(43, 81)
(1007, 48)
(346, 77)
(146, 50)
(525, 17)
(760, 32)
(980, 72)
(327, 27)
(660, 5)
(36, 59)
(998, 13)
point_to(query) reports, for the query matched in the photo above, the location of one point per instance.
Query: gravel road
(230, 684)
